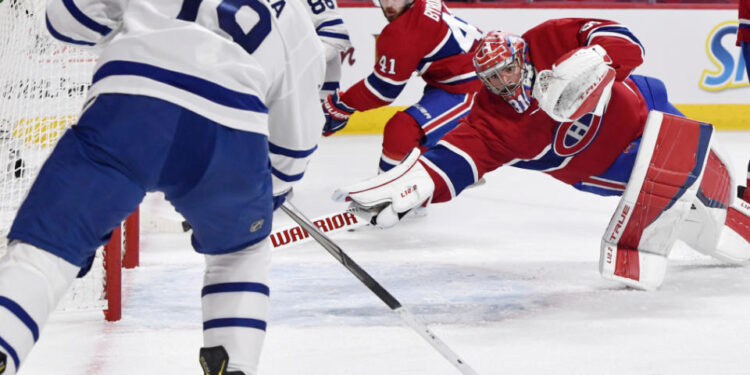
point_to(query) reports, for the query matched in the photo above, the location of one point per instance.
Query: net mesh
(43, 85)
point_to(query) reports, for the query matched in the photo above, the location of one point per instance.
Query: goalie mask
(500, 62)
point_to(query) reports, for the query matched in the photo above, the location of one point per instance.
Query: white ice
(506, 275)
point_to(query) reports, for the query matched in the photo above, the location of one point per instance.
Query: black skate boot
(214, 361)
(3, 362)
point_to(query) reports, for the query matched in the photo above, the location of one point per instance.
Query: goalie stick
(376, 288)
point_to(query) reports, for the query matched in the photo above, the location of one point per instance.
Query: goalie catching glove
(384, 199)
(580, 82)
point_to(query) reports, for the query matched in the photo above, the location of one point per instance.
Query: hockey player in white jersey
(209, 101)
(335, 37)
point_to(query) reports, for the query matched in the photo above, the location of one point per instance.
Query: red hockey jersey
(427, 39)
(494, 134)
(743, 33)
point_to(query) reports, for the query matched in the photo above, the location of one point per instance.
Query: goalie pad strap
(665, 179)
(715, 190)
(739, 221)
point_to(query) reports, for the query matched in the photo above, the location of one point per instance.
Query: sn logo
(729, 64)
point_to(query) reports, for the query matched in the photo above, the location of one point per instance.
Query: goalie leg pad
(32, 282)
(665, 179)
(235, 304)
(718, 223)
(734, 241)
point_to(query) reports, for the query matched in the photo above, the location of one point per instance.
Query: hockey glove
(580, 82)
(279, 199)
(386, 198)
(337, 114)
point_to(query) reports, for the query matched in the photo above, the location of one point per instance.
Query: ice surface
(506, 275)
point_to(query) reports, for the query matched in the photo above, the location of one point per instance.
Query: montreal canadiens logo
(573, 137)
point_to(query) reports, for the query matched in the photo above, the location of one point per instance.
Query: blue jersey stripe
(330, 86)
(286, 177)
(329, 34)
(297, 154)
(234, 322)
(235, 287)
(598, 190)
(189, 11)
(335, 22)
(457, 168)
(547, 161)
(56, 34)
(84, 19)
(11, 352)
(619, 30)
(22, 315)
(384, 88)
(450, 48)
(198, 86)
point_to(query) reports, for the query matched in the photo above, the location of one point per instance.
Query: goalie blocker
(679, 188)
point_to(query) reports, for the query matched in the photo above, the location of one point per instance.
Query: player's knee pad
(658, 197)
(235, 304)
(401, 134)
(32, 282)
(719, 223)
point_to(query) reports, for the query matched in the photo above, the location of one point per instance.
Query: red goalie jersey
(582, 153)
(426, 39)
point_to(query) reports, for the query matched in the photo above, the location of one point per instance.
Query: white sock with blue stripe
(32, 281)
(235, 304)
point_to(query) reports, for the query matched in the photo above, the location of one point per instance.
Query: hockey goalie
(561, 100)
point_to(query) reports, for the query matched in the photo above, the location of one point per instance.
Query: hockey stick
(329, 224)
(376, 288)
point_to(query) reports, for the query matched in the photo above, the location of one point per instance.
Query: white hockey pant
(661, 190)
(32, 282)
(235, 304)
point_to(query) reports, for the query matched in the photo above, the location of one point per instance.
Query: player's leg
(745, 46)
(422, 124)
(227, 198)
(663, 184)
(85, 188)
(719, 221)
(235, 307)
(32, 282)
(401, 134)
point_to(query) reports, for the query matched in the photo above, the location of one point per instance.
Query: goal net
(43, 85)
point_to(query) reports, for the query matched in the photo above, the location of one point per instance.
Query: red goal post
(43, 84)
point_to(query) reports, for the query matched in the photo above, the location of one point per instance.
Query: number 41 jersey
(240, 63)
(427, 39)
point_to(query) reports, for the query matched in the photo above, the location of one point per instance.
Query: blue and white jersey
(335, 37)
(251, 65)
